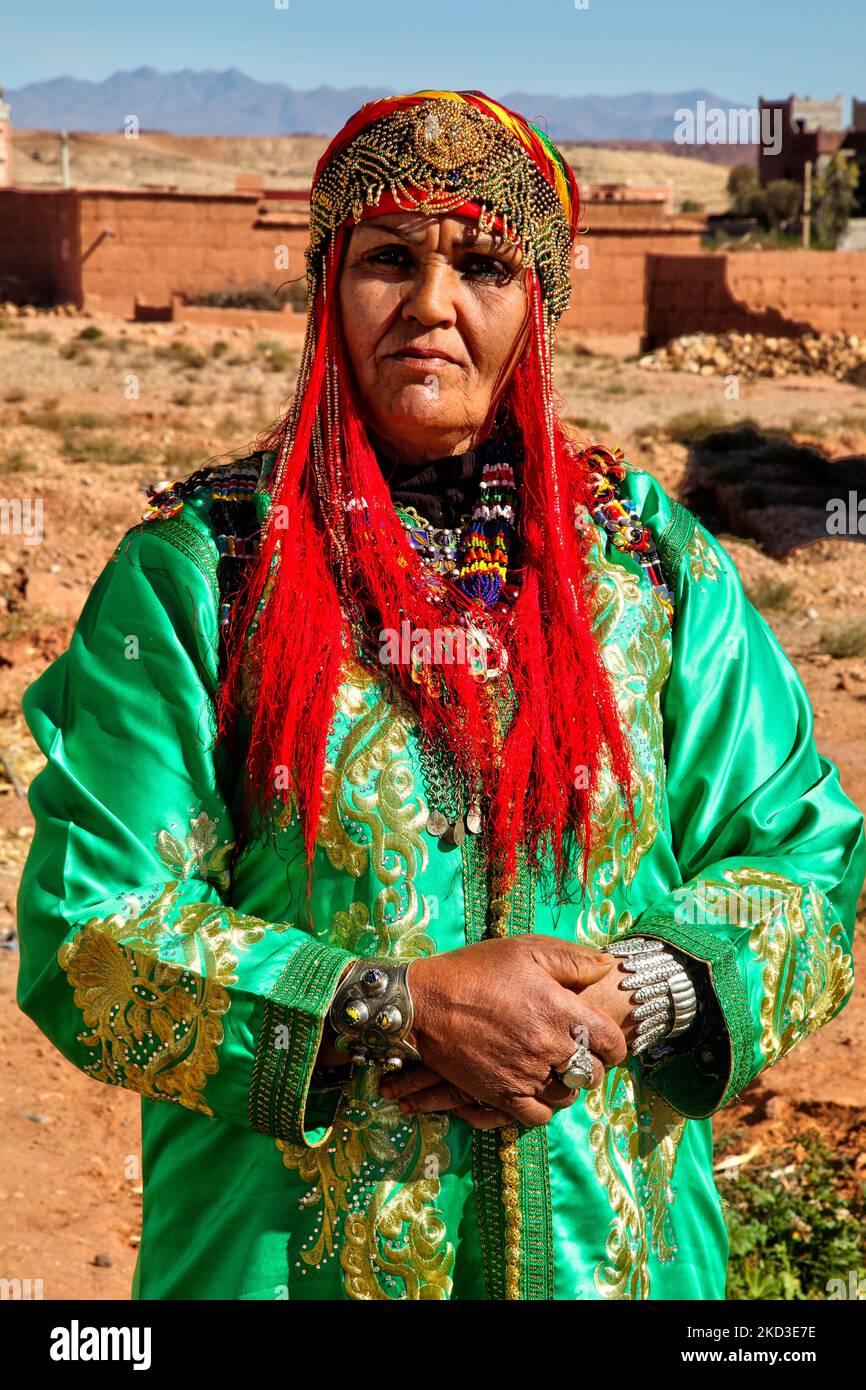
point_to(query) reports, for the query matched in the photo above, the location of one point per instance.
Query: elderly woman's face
(432, 311)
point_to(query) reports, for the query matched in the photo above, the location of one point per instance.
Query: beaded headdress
(335, 558)
(437, 152)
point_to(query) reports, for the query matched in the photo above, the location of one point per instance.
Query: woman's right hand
(493, 1019)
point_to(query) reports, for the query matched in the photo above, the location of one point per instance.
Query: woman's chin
(416, 419)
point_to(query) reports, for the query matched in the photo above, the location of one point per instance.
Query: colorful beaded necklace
(474, 558)
(474, 555)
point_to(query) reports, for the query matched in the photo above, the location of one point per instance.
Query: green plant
(83, 445)
(783, 199)
(184, 354)
(277, 355)
(259, 295)
(809, 424)
(24, 621)
(87, 420)
(44, 419)
(835, 187)
(795, 1221)
(844, 639)
(588, 425)
(90, 333)
(15, 461)
(742, 185)
(49, 418)
(76, 352)
(692, 425)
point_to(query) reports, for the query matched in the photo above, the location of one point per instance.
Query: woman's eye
(486, 268)
(477, 267)
(389, 255)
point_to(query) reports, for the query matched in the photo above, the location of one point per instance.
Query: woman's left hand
(420, 1090)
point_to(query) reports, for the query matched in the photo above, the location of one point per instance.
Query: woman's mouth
(423, 360)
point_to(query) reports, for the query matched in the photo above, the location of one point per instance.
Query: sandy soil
(69, 1185)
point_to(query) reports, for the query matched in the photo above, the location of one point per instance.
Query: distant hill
(231, 103)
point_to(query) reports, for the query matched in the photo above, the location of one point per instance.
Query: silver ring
(578, 1070)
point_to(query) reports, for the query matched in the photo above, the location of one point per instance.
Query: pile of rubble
(8, 310)
(751, 355)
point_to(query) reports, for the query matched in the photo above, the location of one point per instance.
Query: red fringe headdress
(335, 559)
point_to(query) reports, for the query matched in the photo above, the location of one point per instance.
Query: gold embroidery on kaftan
(702, 560)
(807, 972)
(635, 1136)
(152, 986)
(374, 1187)
(634, 635)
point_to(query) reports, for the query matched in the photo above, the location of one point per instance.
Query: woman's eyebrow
(404, 234)
(479, 241)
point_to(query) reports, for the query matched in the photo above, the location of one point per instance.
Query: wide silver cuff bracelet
(371, 1013)
(665, 998)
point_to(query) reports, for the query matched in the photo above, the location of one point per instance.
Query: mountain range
(231, 103)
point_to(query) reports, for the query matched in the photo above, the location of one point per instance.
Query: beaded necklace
(473, 557)
(480, 565)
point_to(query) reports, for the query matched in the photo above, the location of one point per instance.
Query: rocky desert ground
(73, 434)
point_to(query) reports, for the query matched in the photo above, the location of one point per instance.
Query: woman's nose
(430, 298)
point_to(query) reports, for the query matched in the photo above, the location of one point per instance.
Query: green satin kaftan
(150, 966)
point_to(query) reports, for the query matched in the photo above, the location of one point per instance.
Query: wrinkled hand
(493, 1019)
(419, 1089)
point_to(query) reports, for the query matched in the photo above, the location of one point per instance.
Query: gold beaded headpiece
(437, 152)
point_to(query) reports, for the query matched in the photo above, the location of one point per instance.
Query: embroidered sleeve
(134, 961)
(771, 850)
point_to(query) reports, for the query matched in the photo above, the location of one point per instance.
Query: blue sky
(740, 49)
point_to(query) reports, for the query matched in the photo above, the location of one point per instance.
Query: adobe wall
(780, 293)
(106, 248)
(39, 246)
(609, 293)
(150, 245)
(285, 320)
(186, 244)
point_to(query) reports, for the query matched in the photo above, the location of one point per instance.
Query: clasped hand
(492, 1020)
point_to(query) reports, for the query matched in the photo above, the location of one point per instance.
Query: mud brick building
(813, 131)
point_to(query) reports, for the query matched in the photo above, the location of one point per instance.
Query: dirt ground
(86, 423)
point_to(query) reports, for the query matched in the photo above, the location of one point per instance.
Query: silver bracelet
(665, 998)
(372, 1014)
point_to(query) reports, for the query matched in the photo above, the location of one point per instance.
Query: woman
(431, 831)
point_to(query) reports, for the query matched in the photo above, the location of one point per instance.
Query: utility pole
(64, 158)
(807, 204)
